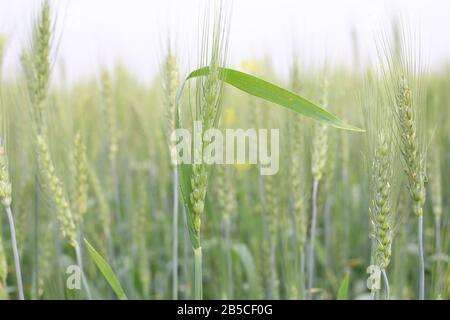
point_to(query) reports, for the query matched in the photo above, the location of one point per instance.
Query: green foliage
(106, 271)
(265, 90)
(343, 288)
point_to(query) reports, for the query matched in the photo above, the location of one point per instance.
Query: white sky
(98, 32)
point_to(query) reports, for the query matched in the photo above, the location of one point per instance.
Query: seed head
(170, 90)
(110, 116)
(5, 182)
(320, 143)
(198, 183)
(413, 160)
(381, 215)
(54, 188)
(80, 179)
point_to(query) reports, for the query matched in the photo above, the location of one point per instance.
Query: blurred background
(102, 150)
(95, 33)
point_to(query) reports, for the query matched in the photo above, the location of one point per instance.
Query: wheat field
(93, 207)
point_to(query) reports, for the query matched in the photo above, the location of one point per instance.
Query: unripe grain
(54, 187)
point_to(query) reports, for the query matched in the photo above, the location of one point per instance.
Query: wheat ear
(319, 157)
(413, 166)
(170, 89)
(6, 199)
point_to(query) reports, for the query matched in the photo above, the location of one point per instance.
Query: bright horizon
(102, 32)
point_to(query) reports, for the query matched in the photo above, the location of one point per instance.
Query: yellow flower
(249, 66)
(229, 116)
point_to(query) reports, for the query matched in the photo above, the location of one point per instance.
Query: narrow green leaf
(343, 288)
(184, 174)
(186, 189)
(106, 270)
(273, 93)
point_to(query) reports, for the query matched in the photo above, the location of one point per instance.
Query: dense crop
(87, 182)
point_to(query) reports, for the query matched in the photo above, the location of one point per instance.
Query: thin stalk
(437, 231)
(15, 253)
(347, 223)
(296, 265)
(116, 189)
(327, 231)
(185, 256)
(374, 294)
(198, 290)
(227, 235)
(437, 235)
(302, 275)
(36, 237)
(115, 221)
(273, 274)
(117, 216)
(175, 236)
(386, 285)
(312, 240)
(421, 259)
(58, 252)
(80, 265)
(287, 256)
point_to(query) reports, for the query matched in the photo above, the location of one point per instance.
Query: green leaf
(343, 288)
(185, 171)
(184, 174)
(273, 93)
(258, 88)
(106, 270)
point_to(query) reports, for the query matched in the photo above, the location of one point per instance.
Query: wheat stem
(302, 274)
(273, 271)
(421, 259)
(15, 253)
(327, 230)
(227, 236)
(6, 199)
(185, 254)
(386, 285)
(58, 253)
(80, 265)
(437, 228)
(36, 236)
(198, 290)
(312, 239)
(175, 236)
